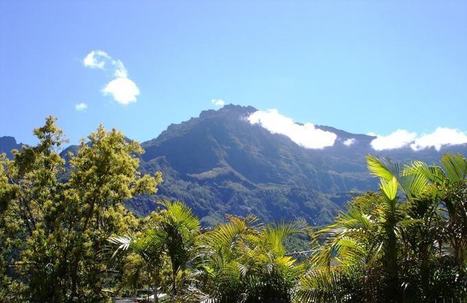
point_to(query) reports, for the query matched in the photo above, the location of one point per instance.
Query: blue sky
(362, 66)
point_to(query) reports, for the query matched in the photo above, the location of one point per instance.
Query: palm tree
(380, 232)
(180, 229)
(448, 184)
(149, 246)
(271, 274)
(367, 235)
(247, 262)
(323, 285)
(171, 232)
(352, 248)
(221, 249)
(420, 210)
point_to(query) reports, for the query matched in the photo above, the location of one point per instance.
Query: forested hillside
(219, 163)
(67, 237)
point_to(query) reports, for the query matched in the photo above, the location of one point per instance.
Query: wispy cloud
(96, 59)
(306, 135)
(442, 136)
(122, 89)
(218, 102)
(81, 107)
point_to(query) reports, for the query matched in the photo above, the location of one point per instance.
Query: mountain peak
(8, 140)
(219, 162)
(231, 110)
(8, 143)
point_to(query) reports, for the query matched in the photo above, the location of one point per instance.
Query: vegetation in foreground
(65, 236)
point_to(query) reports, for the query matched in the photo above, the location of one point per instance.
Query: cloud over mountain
(349, 142)
(309, 136)
(122, 89)
(397, 139)
(218, 102)
(440, 137)
(400, 138)
(306, 135)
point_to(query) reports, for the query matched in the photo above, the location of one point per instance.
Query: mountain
(219, 163)
(7, 144)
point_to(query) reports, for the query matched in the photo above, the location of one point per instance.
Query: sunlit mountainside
(225, 162)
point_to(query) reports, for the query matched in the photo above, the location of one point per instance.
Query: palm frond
(389, 187)
(455, 167)
(123, 243)
(320, 285)
(275, 235)
(382, 169)
(414, 185)
(225, 235)
(181, 215)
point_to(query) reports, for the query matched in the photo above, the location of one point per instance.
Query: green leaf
(455, 167)
(379, 169)
(389, 188)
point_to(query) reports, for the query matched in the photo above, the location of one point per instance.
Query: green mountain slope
(219, 163)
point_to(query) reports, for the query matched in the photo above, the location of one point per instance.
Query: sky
(397, 69)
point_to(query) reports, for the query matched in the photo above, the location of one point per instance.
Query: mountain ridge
(7, 144)
(219, 163)
(247, 169)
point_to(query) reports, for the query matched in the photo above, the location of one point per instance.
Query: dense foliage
(54, 224)
(66, 237)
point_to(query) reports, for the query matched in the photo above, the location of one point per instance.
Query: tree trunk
(174, 283)
(392, 291)
(156, 286)
(156, 299)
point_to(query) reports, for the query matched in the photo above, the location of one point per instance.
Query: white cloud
(218, 102)
(81, 106)
(349, 141)
(402, 138)
(306, 135)
(122, 89)
(398, 139)
(440, 137)
(96, 59)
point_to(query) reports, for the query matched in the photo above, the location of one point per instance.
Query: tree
(447, 183)
(10, 231)
(148, 246)
(168, 234)
(64, 218)
(103, 174)
(180, 229)
(404, 226)
(246, 262)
